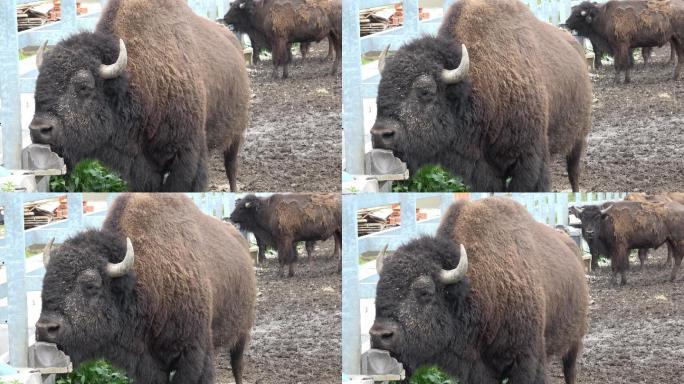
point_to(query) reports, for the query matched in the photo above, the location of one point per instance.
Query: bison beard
(498, 127)
(517, 297)
(154, 119)
(162, 308)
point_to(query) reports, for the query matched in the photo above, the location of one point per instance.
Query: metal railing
(548, 208)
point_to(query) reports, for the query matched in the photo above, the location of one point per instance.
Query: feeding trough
(382, 165)
(379, 365)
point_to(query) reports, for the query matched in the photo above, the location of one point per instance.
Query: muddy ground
(636, 332)
(297, 335)
(294, 139)
(637, 138)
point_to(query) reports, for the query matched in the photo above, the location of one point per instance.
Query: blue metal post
(16, 284)
(75, 212)
(10, 102)
(445, 202)
(68, 17)
(352, 110)
(411, 17)
(408, 215)
(351, 307)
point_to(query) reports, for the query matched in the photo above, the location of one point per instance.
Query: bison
(487, 99)
(624, 225)
(618, 26)
(283, 22)
(148, 96)
(518, 296)
(284, 219)
(155, 291)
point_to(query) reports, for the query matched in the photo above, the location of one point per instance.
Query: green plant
(430, 375)
(95, 372)
(88, 176)
(431, 178)
(7, 187)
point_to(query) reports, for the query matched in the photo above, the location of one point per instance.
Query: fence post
(17, 318)
(351, 307)
(352, 111)
(411, 17)
(68, 17)
(10, 102)
(75, 212)
(408, 215)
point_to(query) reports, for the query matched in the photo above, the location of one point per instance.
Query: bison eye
(424, 289)
(90, 282)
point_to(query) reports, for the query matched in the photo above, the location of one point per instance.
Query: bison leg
(281, 56)
(594, 259)
(188, 172)
(230, 163)
(195, 365)
(331, 49)
(528, 370)
(623, 58)
(643, 255)
(572, 162)
(261, 254)
(337, 43)
(646, 54)
(670, 250)
(338, 244)
(304, 49)
(236, 358)
(309, 249)
(570, 362)
(597, 55)
(529, 174)
(678, 254)
(678, 45)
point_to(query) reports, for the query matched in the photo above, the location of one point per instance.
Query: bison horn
(39, 55)
(115, 70)
(381, 259)
(455, 275)
(46, 252)
(453, 76)
(248, 205)
(583, 13)
(122, 268)
(605, 211)
(382, 59)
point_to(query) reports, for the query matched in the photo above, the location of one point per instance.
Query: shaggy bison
(486, 98)
(282, 22)
(284, 219)
(518, 296)
(155, 291)
(148, 96)
(618, 26)
(620, 226)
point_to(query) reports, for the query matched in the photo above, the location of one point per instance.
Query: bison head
(582, 16)
(245, 213)
(240, 13)
(87, 293)
(590, 216)
(420, 308)
(422, 100)
(81, 83)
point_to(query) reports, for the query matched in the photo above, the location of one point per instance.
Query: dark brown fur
(284, 219)
(630, 224)
(184, 95)
(524, 297)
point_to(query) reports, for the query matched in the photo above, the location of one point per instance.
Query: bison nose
(47, 330)
(41, 131)
(383, 137)
(383, 336)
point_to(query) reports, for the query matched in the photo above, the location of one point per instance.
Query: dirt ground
(637, 138)
(297, 334)
(294, 138)
(636, 332)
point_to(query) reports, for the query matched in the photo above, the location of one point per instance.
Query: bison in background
(279, 23)
(626, 225)
(487, 99)
(619, 26)
(284, 219)
(518, 296)
(147, 96)
(157, 290)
